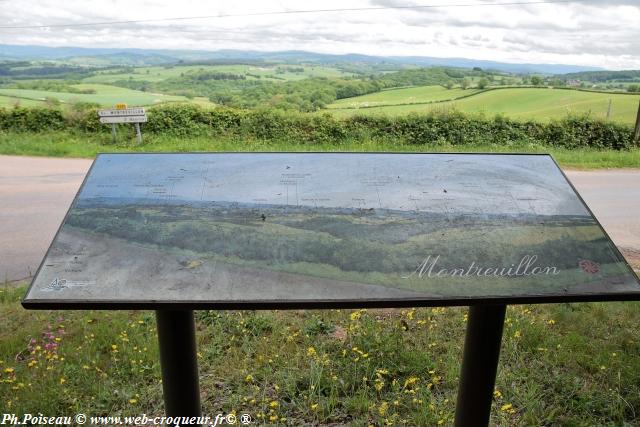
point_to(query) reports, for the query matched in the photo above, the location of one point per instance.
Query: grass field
(106, 95)
(412, 95)
(519, 103)
(266, 72)
(10, 101)
(68, 144)
(569, 365)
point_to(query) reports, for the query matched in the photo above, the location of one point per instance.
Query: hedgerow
(454, 128)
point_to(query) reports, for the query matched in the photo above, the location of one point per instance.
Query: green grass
(571, 365)
(106, 95)
(9, 101)
(410, 95)
(68, 144)
(520, 103)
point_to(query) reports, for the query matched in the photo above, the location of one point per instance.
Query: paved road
(36, 192)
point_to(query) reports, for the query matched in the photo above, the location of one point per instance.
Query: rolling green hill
(520, 103)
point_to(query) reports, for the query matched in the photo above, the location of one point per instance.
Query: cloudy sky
(604, 33)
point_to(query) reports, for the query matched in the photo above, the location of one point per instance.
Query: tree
(482, 83)
(449, 84)
(464, 83)
(557, 82)
(536, 80)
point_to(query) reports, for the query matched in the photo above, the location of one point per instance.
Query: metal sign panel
(269, 230)
(139, 111)
(124, 119)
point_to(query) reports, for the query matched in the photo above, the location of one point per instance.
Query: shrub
(452, 127)
(37, 119)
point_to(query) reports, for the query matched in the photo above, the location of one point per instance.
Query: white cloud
(590, 32)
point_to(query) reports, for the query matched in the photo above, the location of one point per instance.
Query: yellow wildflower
(410, 381)
(506, 407)
(382, 409)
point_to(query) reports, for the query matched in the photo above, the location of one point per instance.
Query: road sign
(122, 112)
(124, 119)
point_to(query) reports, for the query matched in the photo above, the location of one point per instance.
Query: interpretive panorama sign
(235, 230)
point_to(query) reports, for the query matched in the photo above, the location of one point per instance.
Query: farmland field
(411, 95)
(105, 95)
(10, 101)
(519, 103)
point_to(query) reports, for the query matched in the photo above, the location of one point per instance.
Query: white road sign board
(122, 112)
(124, 119)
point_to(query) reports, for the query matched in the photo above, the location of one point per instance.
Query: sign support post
(479, 365)
(179, 363)
(636, 135)
(138, 133)
(114, 133)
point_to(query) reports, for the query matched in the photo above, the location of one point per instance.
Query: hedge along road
(35, 193)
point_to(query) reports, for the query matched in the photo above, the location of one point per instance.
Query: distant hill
(603, 76)
(141, 57)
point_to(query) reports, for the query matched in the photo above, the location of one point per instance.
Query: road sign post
(134, 116)
(636, 135)
(138, 133)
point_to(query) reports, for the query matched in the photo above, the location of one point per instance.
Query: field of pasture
(11, 101)
(540, 104)
(403, 96)
(105, 95)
